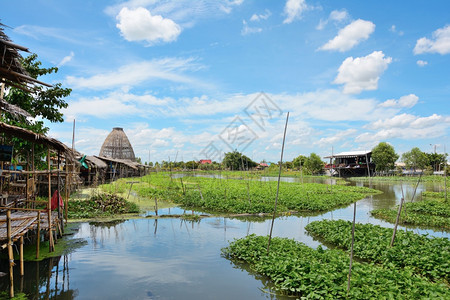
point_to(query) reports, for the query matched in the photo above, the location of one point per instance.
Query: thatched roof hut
(117, 145)
(11, 71)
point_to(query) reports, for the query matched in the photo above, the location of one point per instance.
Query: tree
(415, 159)
(384, 157)
(436, 160)
(314, 164)
(236, 161)
(299, 161)
(42, 102)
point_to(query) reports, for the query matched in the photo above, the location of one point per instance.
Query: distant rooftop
(350, 154)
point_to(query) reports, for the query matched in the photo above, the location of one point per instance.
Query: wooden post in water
(10, 253)
(351, 249)
(398, 218)
(38, 234)
(278, 186)
(49, 208)
(22, 271)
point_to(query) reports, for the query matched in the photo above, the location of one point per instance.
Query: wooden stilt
(351, 249)
(22, 270)
(49, 208)
(10, 254)
(38, 234)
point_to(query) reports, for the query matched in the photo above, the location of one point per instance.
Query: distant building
(204, 161)
(351, 163)
(117, 145)
(262, 166)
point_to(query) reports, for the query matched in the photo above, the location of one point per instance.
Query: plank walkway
(22, 222)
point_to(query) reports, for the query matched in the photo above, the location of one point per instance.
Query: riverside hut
(351, 163)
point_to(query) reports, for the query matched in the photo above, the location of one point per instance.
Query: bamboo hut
(117, 145)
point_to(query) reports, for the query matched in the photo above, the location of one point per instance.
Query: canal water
(177, 259)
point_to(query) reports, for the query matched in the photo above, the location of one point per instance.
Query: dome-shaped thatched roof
(117, 145)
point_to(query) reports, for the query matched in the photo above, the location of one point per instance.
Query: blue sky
(200, 78)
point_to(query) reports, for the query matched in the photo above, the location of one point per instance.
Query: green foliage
(384, 157)
(415, 159)
(434, 211)
(314, 164)
(301, 271)
(244, 196)
(299, 161)
(43, 102)
(101, 205)
(428, 257)
(237, 161)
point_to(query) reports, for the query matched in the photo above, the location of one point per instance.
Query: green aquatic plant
(298, 270)
(423, 255)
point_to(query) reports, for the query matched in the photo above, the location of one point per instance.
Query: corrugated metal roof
(350, 154)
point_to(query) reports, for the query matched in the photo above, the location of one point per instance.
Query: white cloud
(140, 25)
(336, 16)
(133, 74)
(422, 63)
(407, 127)
(350, 36)
(407, 101)
(259, 17)
(336, 137)
(440, 42)
(66, 59)
(362, 73)
(294, 9)
(249, 30)
(394, 30)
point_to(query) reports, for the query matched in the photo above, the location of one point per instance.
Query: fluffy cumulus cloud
(439, 43)
(406, 126)
(294, 10)
(362, 73)
(407, 101)
(350, 36)
(140, 25)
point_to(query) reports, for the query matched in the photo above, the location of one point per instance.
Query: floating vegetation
(101, 205)
(246, 196)
(298, 270)
(423, 255)
(433, 212)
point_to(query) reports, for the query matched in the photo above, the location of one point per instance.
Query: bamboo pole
(10, 254)
(22, 271)
(49, 208)
(38, 233)
(398, 218)
(351, 249)
(278, 185)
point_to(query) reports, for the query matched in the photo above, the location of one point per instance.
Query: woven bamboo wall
(117, 145)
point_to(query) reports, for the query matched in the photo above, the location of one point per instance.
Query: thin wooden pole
(278, 186)
(351, 249)
(49, 208)
(398, 218)
(445, 174)
(38, 234)
(22, 271)
(10, 254)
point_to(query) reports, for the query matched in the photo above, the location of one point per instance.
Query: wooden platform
(22, 222)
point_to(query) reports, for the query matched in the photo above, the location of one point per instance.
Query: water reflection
(48, 279)
(172, 258)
